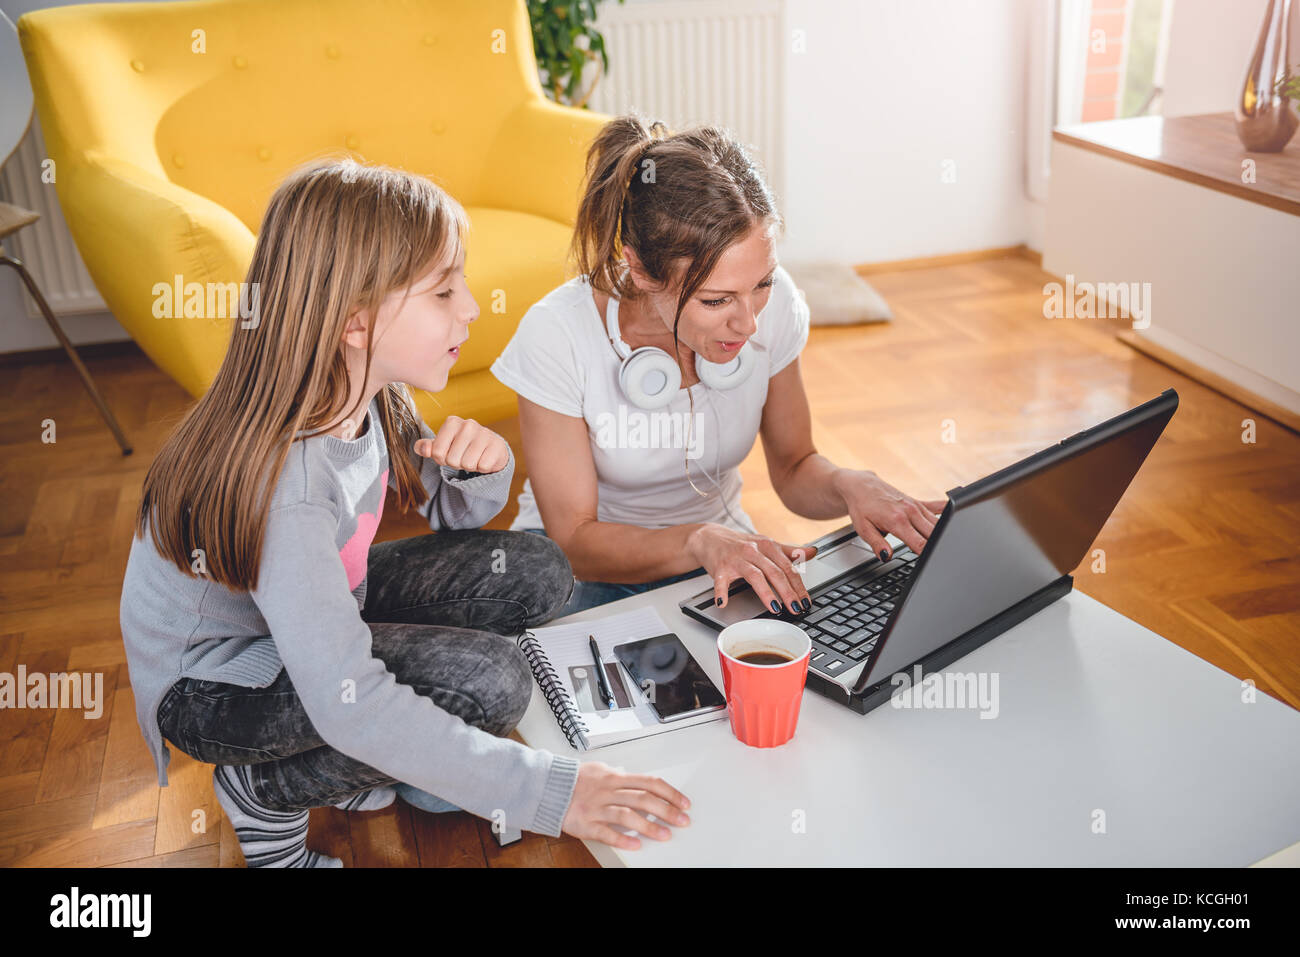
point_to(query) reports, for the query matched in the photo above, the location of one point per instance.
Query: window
(1090, 60)
(1110, 58)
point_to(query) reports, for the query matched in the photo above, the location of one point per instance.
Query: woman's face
(721, 316)
(418, 341)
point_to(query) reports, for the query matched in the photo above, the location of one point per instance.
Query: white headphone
(650, 377)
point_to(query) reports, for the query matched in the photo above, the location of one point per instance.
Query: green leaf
(556, 25)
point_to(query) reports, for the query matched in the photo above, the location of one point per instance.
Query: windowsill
(1201, 149)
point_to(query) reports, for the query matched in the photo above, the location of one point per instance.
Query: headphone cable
(717, 467)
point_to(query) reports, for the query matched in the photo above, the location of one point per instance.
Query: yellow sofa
(171, 123)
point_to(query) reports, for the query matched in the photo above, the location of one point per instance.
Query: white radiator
(45, 247)
(700, 61)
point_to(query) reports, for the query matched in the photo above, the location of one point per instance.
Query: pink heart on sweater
(357, 549)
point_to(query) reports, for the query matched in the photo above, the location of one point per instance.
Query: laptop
(1002, 550)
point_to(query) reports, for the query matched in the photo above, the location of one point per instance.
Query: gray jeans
(437, 622)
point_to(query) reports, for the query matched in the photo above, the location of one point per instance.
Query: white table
(1096, 712)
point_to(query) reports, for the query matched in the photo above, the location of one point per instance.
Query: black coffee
(764, 658)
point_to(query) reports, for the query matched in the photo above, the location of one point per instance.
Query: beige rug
(836, 295)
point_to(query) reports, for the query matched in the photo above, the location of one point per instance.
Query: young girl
(682, 324)
(265, 634)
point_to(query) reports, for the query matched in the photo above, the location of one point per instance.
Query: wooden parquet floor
(1203, 548)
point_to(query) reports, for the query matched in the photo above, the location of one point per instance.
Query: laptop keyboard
(847, 618)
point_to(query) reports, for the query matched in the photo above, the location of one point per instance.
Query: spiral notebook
(564, 669)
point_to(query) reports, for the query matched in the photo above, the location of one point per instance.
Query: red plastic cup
(764, 699)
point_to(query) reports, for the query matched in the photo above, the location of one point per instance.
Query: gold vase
(1265, 119)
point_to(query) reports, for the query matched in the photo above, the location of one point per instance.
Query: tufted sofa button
(137, 65)
(439, 128)
(178, 160)
(239, 62)
(263, 153)
(429, 39)
(332, 52)
(351, 141)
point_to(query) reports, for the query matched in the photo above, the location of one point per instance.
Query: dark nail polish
(776, 609)
(717, 601)
(806, 604)
(884, 555)
(794, 608)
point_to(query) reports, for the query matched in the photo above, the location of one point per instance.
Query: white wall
(1201, 257)
(885, 94)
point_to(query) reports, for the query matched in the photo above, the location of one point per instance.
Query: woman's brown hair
(337, 236)
(670, 196)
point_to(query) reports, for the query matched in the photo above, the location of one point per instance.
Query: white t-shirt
(561, 358)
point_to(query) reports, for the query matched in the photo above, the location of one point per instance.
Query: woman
(619, 430)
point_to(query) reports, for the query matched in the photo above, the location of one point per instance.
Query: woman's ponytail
(618, 155)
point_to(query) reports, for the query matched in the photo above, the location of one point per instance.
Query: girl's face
(721, 316)
(418, 341)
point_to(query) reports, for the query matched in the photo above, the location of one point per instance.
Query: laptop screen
(1018, 530)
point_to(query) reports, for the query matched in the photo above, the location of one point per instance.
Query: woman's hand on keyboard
(604, 797)
(768, 566)
(877, 509)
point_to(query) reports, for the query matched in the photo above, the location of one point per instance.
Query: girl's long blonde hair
(336, 236)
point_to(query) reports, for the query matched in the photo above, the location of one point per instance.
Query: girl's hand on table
(604, 797)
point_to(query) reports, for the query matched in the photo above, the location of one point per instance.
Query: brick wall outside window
(1103, 83)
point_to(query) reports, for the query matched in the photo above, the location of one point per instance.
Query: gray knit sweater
(305, 615)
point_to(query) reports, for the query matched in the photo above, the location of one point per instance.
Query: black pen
(606, 693)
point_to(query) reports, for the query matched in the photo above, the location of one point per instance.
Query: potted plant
(564, 42)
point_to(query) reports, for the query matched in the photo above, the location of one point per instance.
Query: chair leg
(68, 347)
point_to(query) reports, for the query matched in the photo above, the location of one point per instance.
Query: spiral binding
(557, 698)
